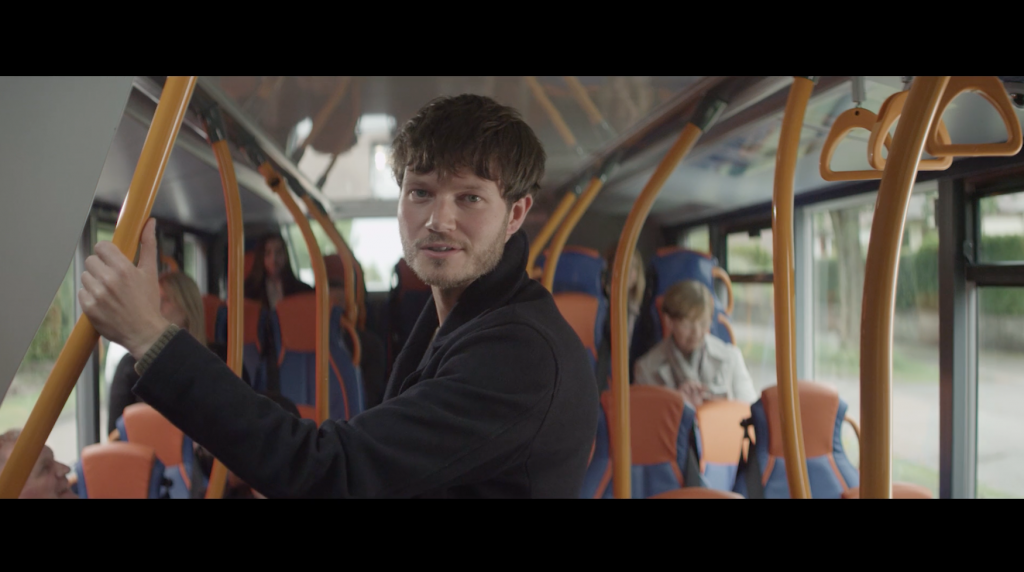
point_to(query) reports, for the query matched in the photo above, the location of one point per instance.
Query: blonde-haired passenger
(702, 367)
(180, 303)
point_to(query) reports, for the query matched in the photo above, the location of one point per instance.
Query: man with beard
(492, 395)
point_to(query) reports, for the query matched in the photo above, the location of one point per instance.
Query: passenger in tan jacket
(702, 367)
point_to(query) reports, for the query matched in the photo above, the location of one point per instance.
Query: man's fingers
(147, 249)
(100, 273)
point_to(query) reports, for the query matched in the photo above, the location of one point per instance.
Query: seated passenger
(271, 277)
(374, 358)
(48, 479)
(181, 304)
(703, 367)
(234, 488)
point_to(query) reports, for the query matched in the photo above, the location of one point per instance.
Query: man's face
(48, 479)
(454, 232)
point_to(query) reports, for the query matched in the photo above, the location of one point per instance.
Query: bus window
(1000, 351)
(374, 241)
(753, 315)
(839, 250)
(35, 368)
(697, 238)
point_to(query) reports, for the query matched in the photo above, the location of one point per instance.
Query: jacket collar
(490, 291)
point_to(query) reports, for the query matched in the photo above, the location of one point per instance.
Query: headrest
(580, 310)
(306, 411)
(296, 317)
(251, 322)
(579, 269)
(119, 471)
(697, 493)
(674, 264)
(407, 278)
(819, 415)
(656, 414)
(722, 436)
(335, 268)
(250, 258)
(211, 304)
(145, 426)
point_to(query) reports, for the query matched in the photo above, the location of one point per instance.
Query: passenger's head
(271, 259)
(468, 169)
(182, 304)
(335, 279)
(637, 281)
(48, 479)
(688, 307)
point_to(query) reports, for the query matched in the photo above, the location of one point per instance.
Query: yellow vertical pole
(276, 182)
(216, 133)
(703, 117)
(558, 242)
(142, 191)
(783, 268)
(537, 246)
(344, 252)
(880, 289)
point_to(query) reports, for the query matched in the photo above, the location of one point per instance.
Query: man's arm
(484, 406)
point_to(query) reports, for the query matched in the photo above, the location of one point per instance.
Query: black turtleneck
(501, 403)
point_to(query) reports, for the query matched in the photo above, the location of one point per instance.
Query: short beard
(488, 261)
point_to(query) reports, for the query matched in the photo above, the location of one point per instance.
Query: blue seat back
(822, 412)
(293, 325)
(663, 436)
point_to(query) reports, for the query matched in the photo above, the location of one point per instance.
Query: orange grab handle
(891, 109)
(992, 89)
(848, 121)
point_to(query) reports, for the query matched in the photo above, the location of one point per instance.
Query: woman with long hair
(180, 303)
(272, 278)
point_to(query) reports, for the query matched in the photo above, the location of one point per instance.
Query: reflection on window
(35, 368)
(697, 238)
(753, 323)
(840, 247)
(374, 241)
(1002, 228)
(1000, 362)
(749, 254)
(382, 180)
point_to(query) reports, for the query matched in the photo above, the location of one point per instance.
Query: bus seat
(670, 265)
(579, 294)
(722, 442)
(143, 425)
(307, 412)
(406, 300)
(119, 471)
(253, 322)
(698, 493)
(829, 470)
(665, 444)
(293, 324)
(211, 304)
(899, 491)
(581, 310)
(250, 258)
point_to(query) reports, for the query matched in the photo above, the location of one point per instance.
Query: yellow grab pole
(703, 117)
(548, 229)
(216, 134)
(344, 252)
(323, 304)
(553, 114)
(558, 242)
(142, 191)
(783, 269)
(880, 287)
